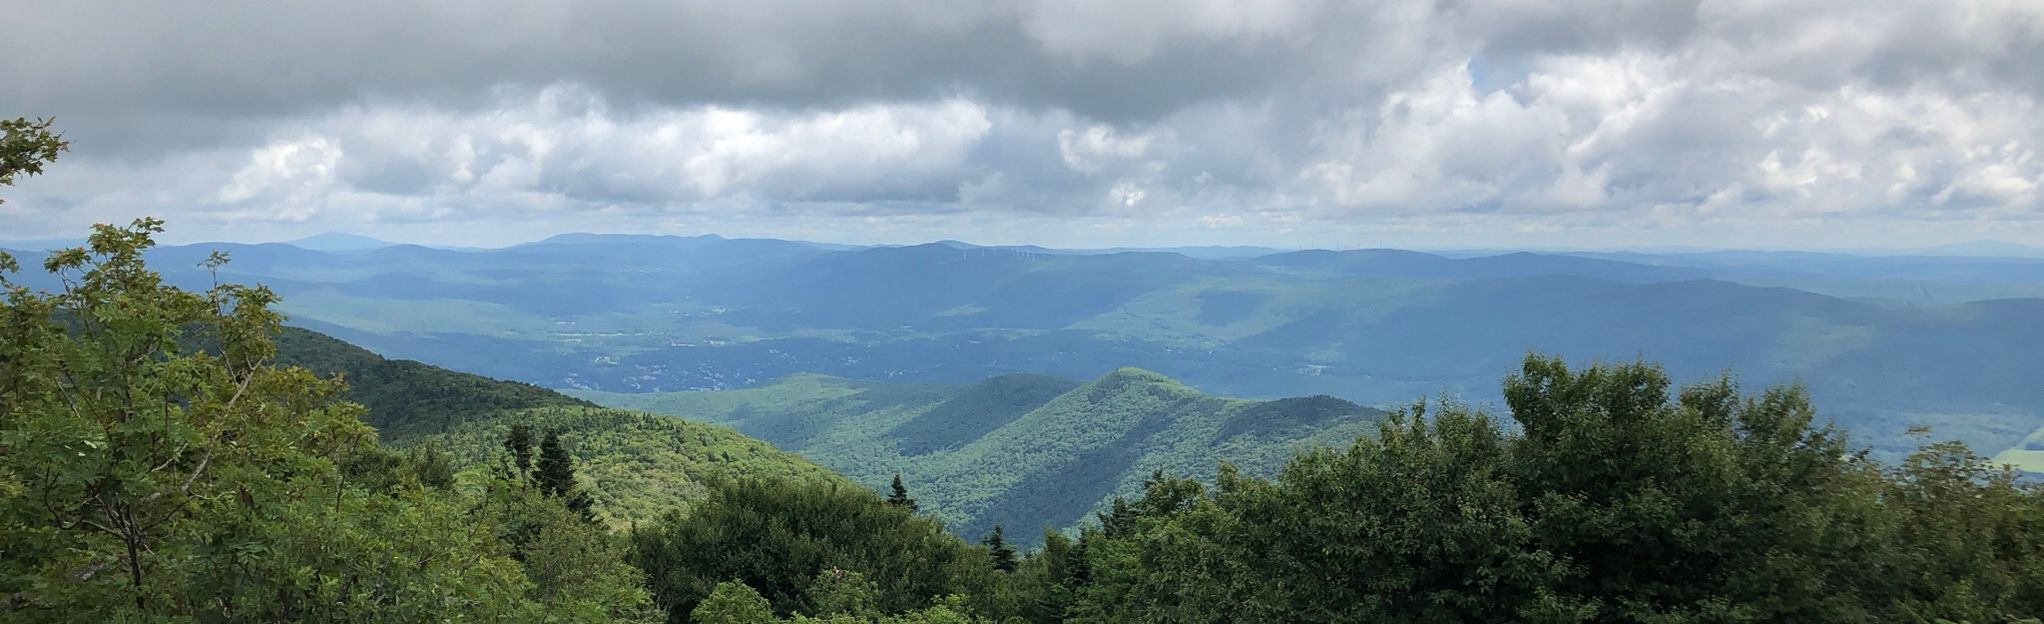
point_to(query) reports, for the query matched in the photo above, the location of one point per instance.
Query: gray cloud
(1300, 121)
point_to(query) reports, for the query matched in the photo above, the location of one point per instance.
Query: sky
(1808, 124)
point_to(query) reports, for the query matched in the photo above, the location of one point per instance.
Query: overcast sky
(1403, 123)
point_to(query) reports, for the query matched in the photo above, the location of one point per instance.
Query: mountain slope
(408, 398)
(1022, 451)
(634, 465)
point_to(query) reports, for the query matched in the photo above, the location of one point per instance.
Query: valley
(1884, 342)
(1024, 451)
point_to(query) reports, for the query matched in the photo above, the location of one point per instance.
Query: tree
(732, 602)
(554, 473)
(519, 443)
(839, 592)
(899, 495)
(776, 536)
(1618, 498)
(1118, 520)
(555, 476)
(142, 480)
(1002, 554)
(25, 146)
(432, 466)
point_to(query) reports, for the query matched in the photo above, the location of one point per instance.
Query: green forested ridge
(636, 465)
(1022, 451)
(404, 397)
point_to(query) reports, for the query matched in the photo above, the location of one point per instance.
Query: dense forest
(164, 459)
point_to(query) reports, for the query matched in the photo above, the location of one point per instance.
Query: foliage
(732, 602)
(1615, 499)
(802, 546)
(25, 146)
(578, 569)
(146, 481)
(633, 467)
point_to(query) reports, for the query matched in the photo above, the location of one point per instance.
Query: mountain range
(1883, 343)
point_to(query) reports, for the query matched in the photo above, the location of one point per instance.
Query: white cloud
(1293, 120)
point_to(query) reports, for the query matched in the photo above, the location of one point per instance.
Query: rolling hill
(1024, 451)
(634, 465)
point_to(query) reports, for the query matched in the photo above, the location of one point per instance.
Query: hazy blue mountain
(1906, 280)
(336, 241)
(1988, 249)
(1413, 264)
(39, 244)
(1201, 253)
(1883, 342)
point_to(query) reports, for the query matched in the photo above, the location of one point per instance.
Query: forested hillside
(1021, 451)
(634, 465)
(407, 398)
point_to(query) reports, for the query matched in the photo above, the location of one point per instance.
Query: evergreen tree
(899, 497)
(519, 443)
(555, 471)
(1119, 520)
(1003, 554)
(555, 476)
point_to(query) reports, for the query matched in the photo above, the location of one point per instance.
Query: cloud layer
(1812, 123)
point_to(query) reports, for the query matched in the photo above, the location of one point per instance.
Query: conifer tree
(519, 443)
(1119, 520)
(899, 497)
(555, 475)
(1003, 554)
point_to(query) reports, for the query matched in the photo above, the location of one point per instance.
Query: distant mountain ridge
(336, 241)
(1023, 451)
(662, 313)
